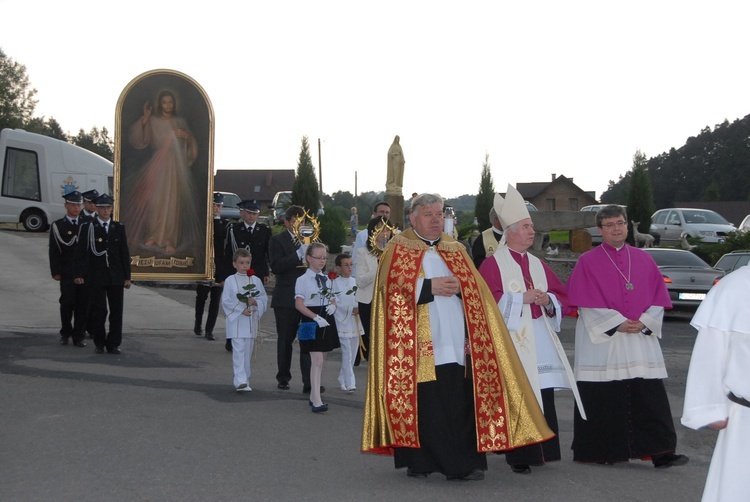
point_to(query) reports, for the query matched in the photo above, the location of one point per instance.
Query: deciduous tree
(97, 140)
(17, 101)
(46, 127)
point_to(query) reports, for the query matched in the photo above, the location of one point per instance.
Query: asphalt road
(161, 421)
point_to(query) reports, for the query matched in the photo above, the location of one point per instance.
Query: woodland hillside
(712, 166)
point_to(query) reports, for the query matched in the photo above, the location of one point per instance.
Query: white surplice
(720, 364)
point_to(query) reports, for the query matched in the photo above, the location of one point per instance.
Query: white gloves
(301, 250)
(330, 308)
(322, 323)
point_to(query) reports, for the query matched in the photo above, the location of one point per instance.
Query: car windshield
(733, 260)
(694, 216)
(666, 258)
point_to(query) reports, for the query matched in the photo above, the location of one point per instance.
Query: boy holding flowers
(244, 301)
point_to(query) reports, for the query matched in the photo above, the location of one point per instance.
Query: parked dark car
(733, 260)
(688, 277)
(230, 210)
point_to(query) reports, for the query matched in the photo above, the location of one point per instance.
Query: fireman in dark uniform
(212, 288)
(63, 239)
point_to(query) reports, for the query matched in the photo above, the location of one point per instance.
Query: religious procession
(460, 342)
(448, 353)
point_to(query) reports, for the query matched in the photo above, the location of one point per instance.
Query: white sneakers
(243, 387)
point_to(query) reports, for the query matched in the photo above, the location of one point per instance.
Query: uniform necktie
(321, 281)
(106, 230)
(74, 222)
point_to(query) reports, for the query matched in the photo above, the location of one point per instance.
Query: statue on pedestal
(395, 179)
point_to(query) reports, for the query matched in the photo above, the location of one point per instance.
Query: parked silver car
(709, 226)
(688, 277)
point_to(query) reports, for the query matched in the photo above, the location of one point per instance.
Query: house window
(257, 189)
(550, 204)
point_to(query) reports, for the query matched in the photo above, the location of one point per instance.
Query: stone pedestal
(397, 209)
(580, 240)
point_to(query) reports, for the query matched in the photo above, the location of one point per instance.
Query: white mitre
(512, 209)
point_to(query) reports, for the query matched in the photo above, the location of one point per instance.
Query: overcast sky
(571, 88)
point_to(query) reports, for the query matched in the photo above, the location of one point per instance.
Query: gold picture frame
(164, 140)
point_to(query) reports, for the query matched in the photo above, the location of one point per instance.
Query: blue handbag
(306, 330)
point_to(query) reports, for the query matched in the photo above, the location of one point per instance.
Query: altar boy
(244, 301)
(348, 323)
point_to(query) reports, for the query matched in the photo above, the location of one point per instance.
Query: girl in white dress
(313, 297)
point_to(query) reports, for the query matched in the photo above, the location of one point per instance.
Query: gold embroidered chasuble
(506, 411)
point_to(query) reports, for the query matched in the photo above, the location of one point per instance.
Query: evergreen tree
(640, 198)
(485, 197)
(305, 188)
(17, 101)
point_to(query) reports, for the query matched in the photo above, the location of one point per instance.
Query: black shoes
(669, 460)
(77, 343)
(210, 336)
(283, 386)
(520, 468)
(413, 474)
(320, 409)
(99, 350)
(197, 329)
(114, 350)
(475, 475)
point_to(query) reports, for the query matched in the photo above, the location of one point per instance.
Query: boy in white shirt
(244, 301)
(347, 320)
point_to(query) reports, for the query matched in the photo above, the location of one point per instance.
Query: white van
(37, 170)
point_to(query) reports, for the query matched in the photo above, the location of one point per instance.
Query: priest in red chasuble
(445, 384)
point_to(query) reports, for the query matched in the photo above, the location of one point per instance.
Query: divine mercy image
(164, 174)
